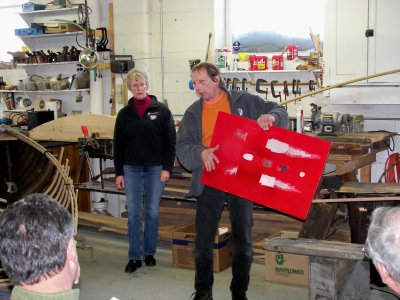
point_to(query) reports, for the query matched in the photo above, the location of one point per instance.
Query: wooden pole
(339, 85)
(365, 199)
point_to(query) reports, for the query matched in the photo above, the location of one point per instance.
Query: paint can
(262, 62)
(292, 52)
(277, 62)
(252, 63)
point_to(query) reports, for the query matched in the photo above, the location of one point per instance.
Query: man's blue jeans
(210, 205)
(143, 190)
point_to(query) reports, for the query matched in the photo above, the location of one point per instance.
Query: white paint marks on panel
(229, 171)
(270, 181)
(277, 146)
(248, 156)
(266, 180)
(241, 134)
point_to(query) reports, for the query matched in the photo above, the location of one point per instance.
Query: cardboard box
(183, 245)
(285, 267)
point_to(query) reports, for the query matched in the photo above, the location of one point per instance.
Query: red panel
(277, 168)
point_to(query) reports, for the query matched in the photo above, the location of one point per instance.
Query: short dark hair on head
(34, 234)
(211, 69)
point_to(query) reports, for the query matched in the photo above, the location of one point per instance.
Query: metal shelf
(48, 11)
(46, 92)
(52, 35)
(50, 64)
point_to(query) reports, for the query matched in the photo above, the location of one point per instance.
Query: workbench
(352, 151)
(337, 271)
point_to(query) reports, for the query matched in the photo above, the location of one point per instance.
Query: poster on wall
(276, 168)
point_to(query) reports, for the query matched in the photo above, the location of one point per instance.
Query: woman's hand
(120, 182)
(164, 176)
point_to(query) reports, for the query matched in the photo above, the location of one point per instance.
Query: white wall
(185, 26)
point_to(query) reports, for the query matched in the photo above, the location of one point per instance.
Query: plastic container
(29, 6)
(299, 120)
(29, 31)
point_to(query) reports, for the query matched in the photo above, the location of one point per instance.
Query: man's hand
(266, 121)
(119, 182)
(209, 159)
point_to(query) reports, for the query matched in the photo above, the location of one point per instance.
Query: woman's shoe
(150, 260)
(133, 265)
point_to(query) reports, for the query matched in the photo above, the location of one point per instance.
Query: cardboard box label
(286, 268)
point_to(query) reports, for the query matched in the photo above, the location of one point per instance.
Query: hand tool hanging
(234, 84)
(228, 82)
(285, 89)
(244, 81)
(273, 82)
(296, 90)
(260, 82)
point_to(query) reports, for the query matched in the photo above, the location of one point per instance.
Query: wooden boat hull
(26, 167)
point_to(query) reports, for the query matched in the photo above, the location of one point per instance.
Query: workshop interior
(63, 80)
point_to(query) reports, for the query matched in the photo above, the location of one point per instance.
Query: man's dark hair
(212, 71)
(34, 234)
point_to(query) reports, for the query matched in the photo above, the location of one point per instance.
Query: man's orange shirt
(209, 116)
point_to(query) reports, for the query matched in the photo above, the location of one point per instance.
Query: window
(9, 21)
(271, 25)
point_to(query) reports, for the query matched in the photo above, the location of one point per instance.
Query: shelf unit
(55, 42)
(73, 91)
(52, 35)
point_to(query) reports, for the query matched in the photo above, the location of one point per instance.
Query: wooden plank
(111, 43)
(329, 249)
(354, 164)
(68, 129)
(4, 136)
(319, 220)
(359, 137)
(369, 188)
(345, 200)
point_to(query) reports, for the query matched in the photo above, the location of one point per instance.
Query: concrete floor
(102, 275)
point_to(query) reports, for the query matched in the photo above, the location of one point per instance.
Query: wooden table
(353, 151)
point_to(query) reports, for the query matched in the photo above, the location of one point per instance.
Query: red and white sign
(277, 168)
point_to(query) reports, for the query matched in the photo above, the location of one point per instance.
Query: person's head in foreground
(37, 245)
(383, 245)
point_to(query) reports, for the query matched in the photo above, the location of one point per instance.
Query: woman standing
(144, 154)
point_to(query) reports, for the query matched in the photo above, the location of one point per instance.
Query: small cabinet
(361, 39)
